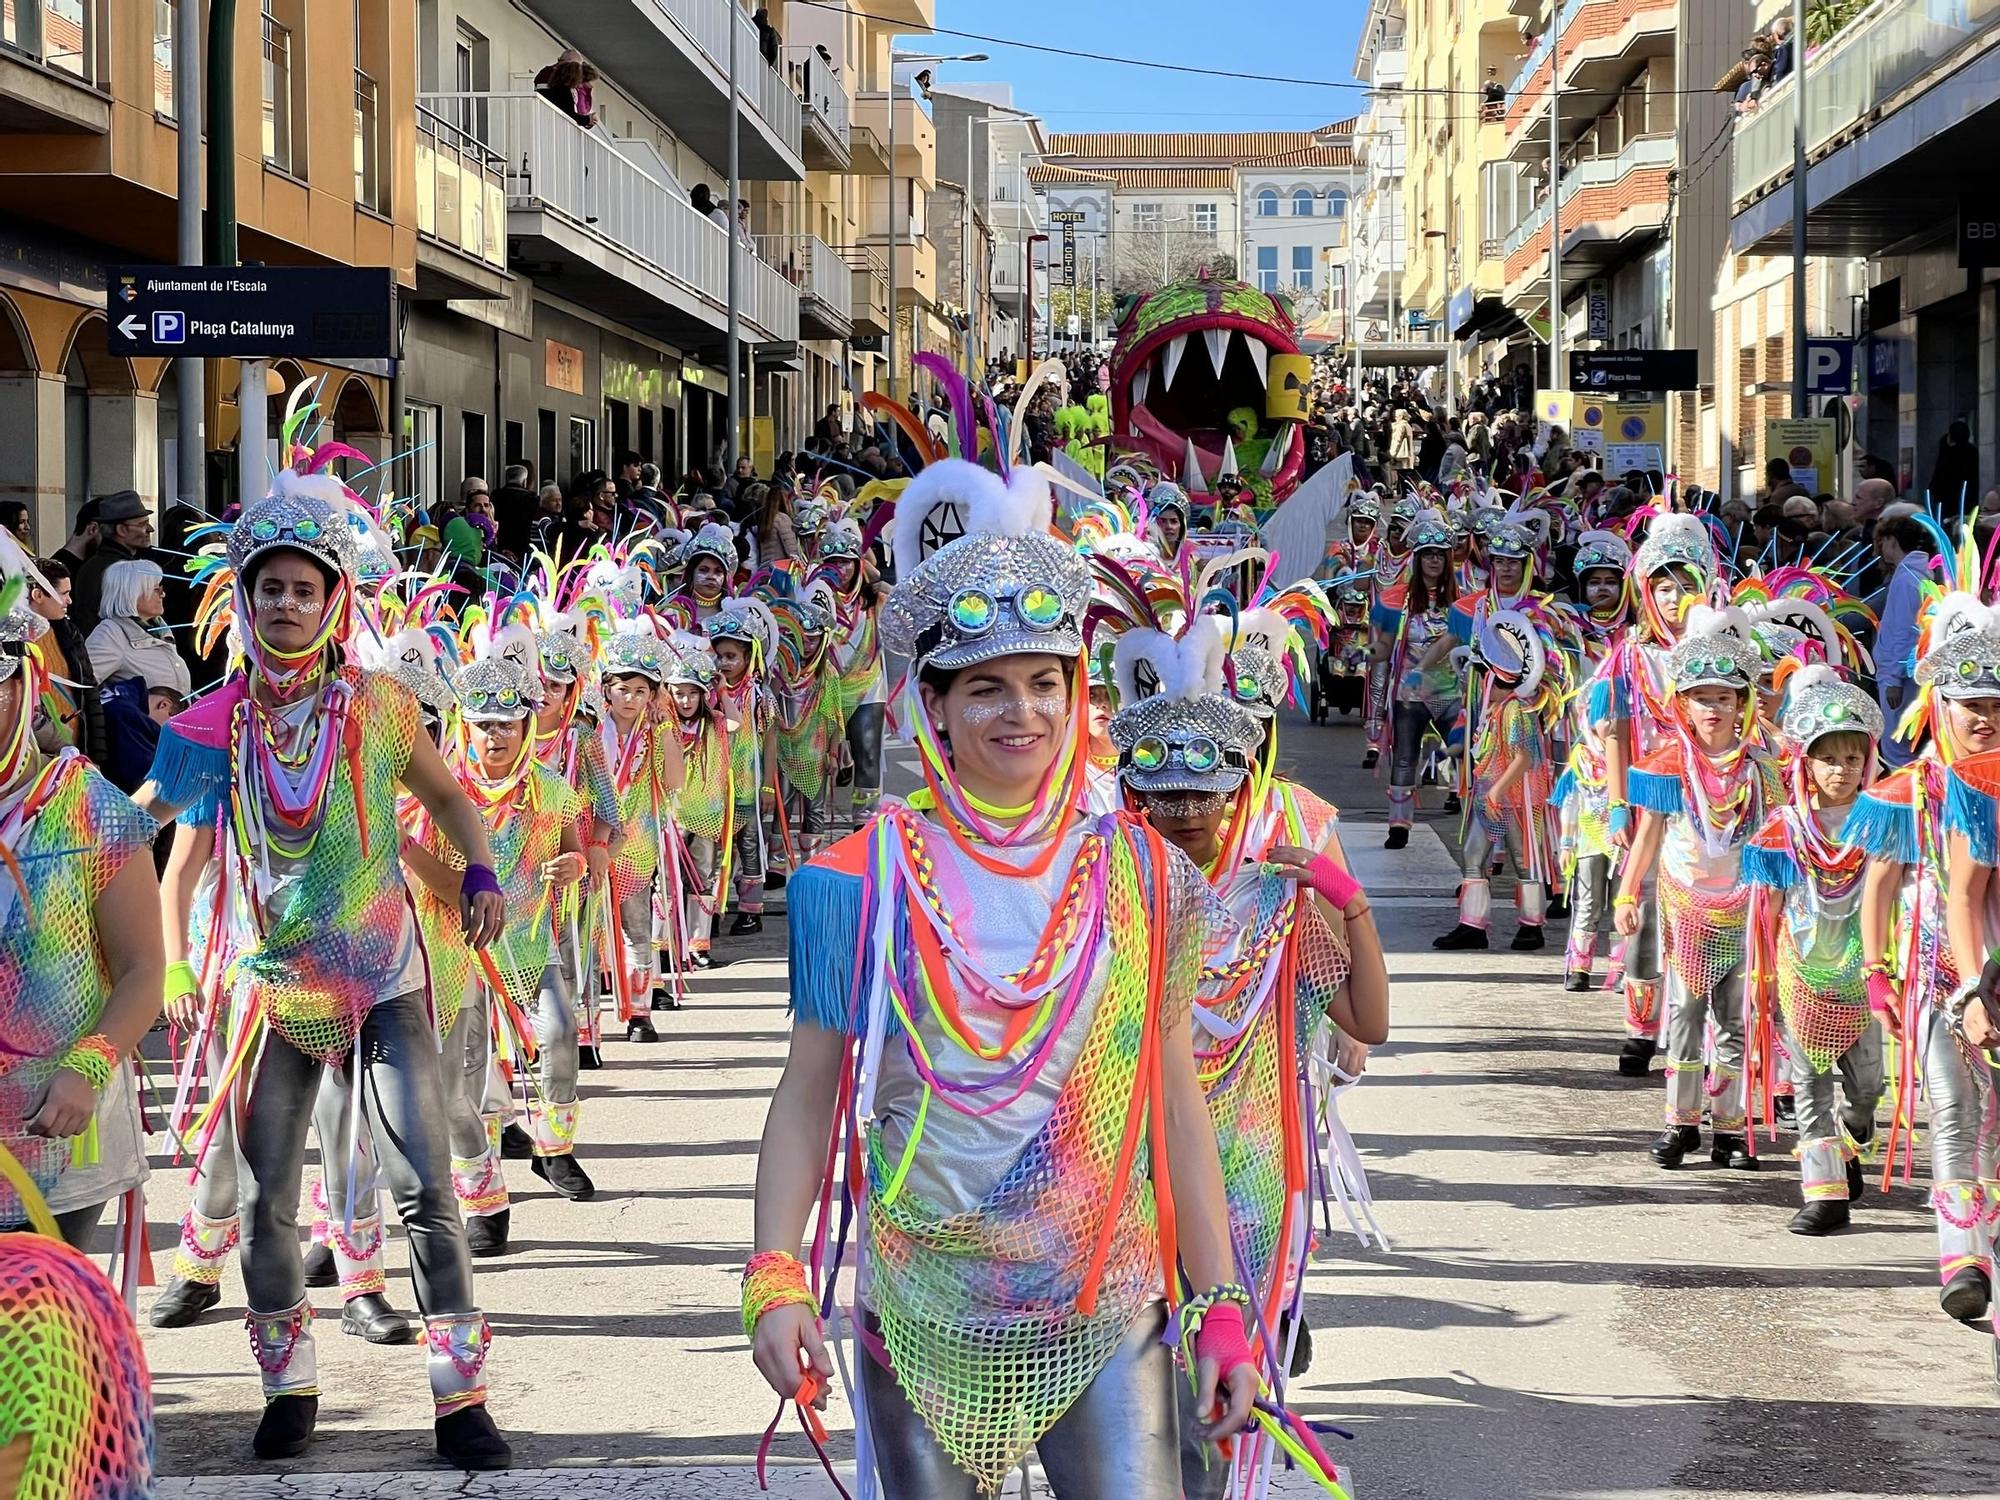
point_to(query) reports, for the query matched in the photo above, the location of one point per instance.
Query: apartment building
(986, 141)
(325, 96)
(1901, 101)
(1381, 61)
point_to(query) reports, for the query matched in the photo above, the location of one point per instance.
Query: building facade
(1382, 62)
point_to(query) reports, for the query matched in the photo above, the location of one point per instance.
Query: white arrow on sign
(130, 326)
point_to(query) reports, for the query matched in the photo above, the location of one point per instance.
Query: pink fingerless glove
(1882, 996)
(1221, 1339)
(1334, 883)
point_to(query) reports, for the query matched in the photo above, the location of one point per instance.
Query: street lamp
(925, 58)
(1028, 298)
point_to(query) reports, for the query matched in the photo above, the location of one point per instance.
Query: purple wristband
(479, 881)
(1334, 883)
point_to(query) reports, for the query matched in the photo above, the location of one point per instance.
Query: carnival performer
(1344, 665)
(855, 659)
(1424, 700)
(706, 804)
(1518, 680)
(1707, 788)
(1167, 503)
(567, 741)
(644, 755)
(288, 775)
(741, 634)
(1805, 932)
(1395, 560)
(1188, 753)
(1921, 930)
(535, 821)
(709, 560)
(1013, 981)
(807, 708)
(1582, 792)
(1673, 570)
(81, 963)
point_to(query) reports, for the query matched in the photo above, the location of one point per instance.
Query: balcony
(870, 152)
(905, 15)
(461, 213)
(826, 291)
(604, 223)
(48, 68)
(672, 56)
(1610, 204)
(824, 140)
(868, 290)
(1898, 105)
(1603, 42)
(915, 135)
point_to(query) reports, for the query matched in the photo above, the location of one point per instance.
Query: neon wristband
(773, 1279)
(94, 1057)
(479, 880)
(1618, 901)
(182, 980)
(1338, 886)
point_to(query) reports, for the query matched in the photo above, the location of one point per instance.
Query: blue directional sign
(252, 312)
(1829, 367)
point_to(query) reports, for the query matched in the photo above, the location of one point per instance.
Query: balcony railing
(1601, 171)
(811, 265)
(707, 21)
(1879, 53)
(603, 188)
(868, 277)
(461, 191)
(59, 34)
(820, 91)
(277, 86)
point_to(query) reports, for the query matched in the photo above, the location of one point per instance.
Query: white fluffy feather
(1186, 666)
(1708, 620)
(949, 481)
(1816, 674)
(1955, 614)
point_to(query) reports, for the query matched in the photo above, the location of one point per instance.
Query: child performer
(1583, 794)
(1702, 794)
(856, 659)
(707, 800)
(1805, 933)
(645, 760)
(1423, 703)
(740, 634)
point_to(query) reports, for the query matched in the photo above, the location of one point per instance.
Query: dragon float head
(1207, 380)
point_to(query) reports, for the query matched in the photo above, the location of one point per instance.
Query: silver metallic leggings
(1857, 1073)
(1965, 1143)
(1688, 1015)
(1119, 1441)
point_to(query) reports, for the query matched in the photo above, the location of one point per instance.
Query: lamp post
(1028, 295)
(895, 58)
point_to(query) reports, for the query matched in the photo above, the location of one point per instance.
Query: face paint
(1183, 805)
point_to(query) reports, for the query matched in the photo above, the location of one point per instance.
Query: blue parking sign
(169, 328)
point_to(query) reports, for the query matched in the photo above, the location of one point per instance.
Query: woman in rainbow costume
(1673, 570)
(855, 659)
(992, 994)
(1422, 701)
(288, 776)
(1928, 829)
(806, 706)
(1188, 752)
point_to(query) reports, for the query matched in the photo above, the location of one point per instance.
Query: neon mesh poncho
(1006, 1259)
(73, 1377)
(643, 802)
(708, 795)
(577, 755)
(810, 723)
(69, 831)
(1808, 932)
(856, 658)
(748, 706)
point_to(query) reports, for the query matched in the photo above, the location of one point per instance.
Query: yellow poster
(1806, 444)
(763, 444)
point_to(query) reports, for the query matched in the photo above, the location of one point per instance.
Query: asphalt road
(1557, 1317)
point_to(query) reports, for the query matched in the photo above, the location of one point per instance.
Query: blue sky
(1248, 36)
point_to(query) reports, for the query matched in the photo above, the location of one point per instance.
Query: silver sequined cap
(1601, 549)
(19, 628)
(917, 621)
(840, 539)
(410, 658)
(713, 540)
(1364, 505)
(293, 518)
(1715, 659)
(493, 689)
(1965, 666)
(635, 651)
(1823, 705)
(1429, 532)
(1255, 679)
(1166, 495)
(564, 654)
(1676, 540)
(1178, 721)
(689, 660)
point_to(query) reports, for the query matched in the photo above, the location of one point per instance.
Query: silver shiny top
(295, 516)
(635, 651)
(1818, 702)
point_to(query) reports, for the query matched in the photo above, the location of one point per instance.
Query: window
(1302, 267)
(1336, 203)
(1146, 216)
(1267, 268)
(1267, 204)
(515, 440)
(420, 445)
(163, 57)
(1302, 203)
(545, 448)
(1205, 218)
(277, 81)
(469, 75)
(367, 144)
(472, 449)
(582, 445)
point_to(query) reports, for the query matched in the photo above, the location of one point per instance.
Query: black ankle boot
(564, 1175)
(639, 1029)
(486, 1234)
(183, 1302)
(1732, 1151)
(370, 1317)
(746, 923)
(1558, 908)
(1857, 1182)
(1821, 1216)
(1528, 938)
(1368, 760)
(1464, 935)
(319, 1267)
(1674, 1144)
(1399, 837)
(1967, 1295)
(1785, 1109)
(467, 1439)
(1578, 982)
(515, 1143)
(1452, 804)
(1635, 1058)
(287, 1426)
(589, 1059)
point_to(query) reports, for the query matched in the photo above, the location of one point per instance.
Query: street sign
(1807, 445)
(1829, 367)
(1597, 299)
(1609, 370)
(1073, 325)
(252, 312)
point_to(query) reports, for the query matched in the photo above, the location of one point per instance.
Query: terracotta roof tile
(1136, 177)
(1194, 148)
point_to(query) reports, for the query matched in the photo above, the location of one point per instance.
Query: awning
(1488, 318)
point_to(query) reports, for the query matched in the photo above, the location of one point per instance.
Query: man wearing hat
(124, 533)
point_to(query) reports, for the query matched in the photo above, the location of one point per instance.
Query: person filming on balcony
(566, 83)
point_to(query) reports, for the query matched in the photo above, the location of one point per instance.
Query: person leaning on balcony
(768, 40)
(1752, 89)
(566, 83)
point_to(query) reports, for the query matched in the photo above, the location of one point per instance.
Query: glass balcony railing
(59, 34)
(1882, 51)
(461, 192)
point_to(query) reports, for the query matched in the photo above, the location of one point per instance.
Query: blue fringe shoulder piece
(1769, 867)
(1969, 811)
(1653, 792)
(1884, 829)
(1385, 620)
(823, 915)
(1563, 790)
(1602, 700)
(190, 776)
